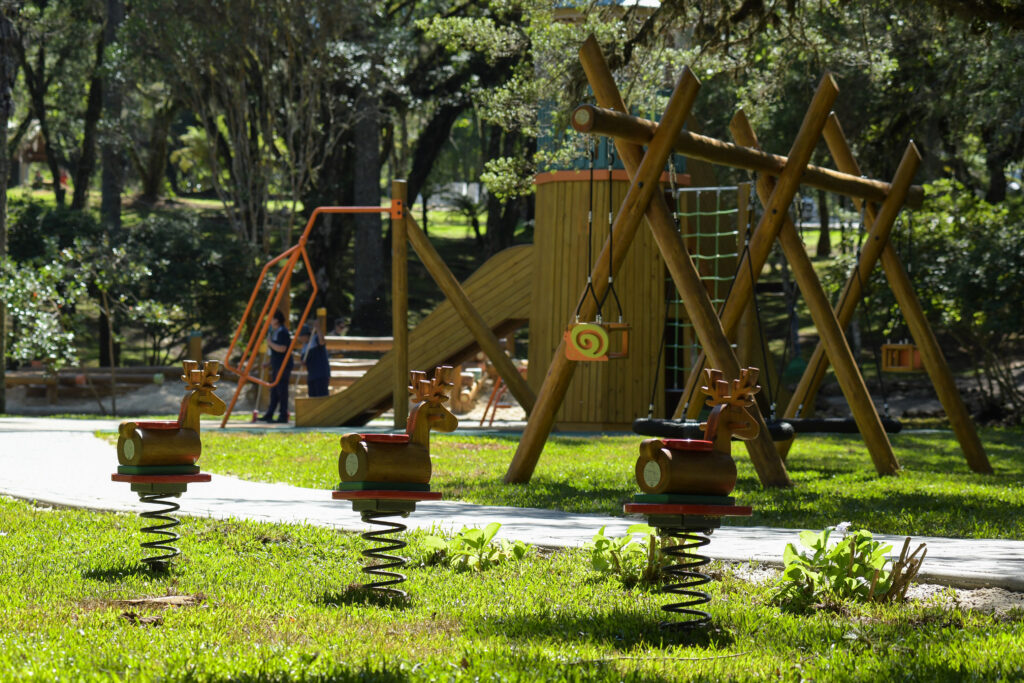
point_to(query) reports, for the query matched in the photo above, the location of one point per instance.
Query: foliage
(935, 494)
(200, 268)
(965, 258)
(39, 231)
(849, 569)
(475, 549)
(38, 302)
(632, 559)
(268, 603)
(967, 265)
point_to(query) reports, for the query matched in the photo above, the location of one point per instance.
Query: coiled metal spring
(682, 577)
(160, 545)
(385, 561)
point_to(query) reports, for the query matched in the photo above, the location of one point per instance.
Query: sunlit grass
(834, 480)
(272, 604)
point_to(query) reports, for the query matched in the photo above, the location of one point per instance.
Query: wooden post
(638, 197)
(847, 373)
(195, 345)
(770, 469)
(483, 335)
(748, 350)
(879, 228)
(775, 211)
(400, 303)
(931, 354)
(603, 121)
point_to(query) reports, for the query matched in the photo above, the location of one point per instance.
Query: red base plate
(386, 495)
(161, 478)
(688, 509)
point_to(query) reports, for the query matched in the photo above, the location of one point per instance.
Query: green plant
(633, 558)
(475, 549)
(851, 569)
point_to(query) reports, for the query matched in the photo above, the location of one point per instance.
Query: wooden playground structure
(539, 284)
(778, 181)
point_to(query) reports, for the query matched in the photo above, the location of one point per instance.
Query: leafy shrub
(37, 232)
(38, 301)
(633, 558)
(849, 569)
(475, 549)
(965, 258)
(198, 265)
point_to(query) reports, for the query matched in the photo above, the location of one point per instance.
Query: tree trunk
(112, 179)
(369, 307)
(824, 236)
(93, 110)
(108, 316)
(331, 237)
(8, 74)
(996, 164)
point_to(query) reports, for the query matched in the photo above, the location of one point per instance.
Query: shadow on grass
(360, 594)
(123, 569)
(585, 497)
(368, 674)
(619, 628)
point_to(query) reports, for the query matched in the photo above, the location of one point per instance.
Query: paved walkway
(60, 462)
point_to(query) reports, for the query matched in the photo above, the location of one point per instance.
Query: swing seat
(901, 358)
(837, 425)
(592, 341)
(690, 429)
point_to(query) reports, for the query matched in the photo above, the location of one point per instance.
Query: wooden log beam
(400, 304)
(931, 354)
(370, 344)
(605, 121)
(645, 183)
(850, 379)
(483, 335)
(879, 229)
(771, 470)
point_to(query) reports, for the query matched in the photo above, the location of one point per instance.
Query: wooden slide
(499, 290)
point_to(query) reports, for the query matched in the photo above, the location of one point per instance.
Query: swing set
(779, 179)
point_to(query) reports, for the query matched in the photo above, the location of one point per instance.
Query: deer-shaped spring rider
(158, 457)
(686, 484)
(387, 474)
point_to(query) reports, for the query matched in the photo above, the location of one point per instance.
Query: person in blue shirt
(278, 341)
(314, 355)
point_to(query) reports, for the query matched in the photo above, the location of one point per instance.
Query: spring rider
(385, 475)
(686, 485)
(158, 457)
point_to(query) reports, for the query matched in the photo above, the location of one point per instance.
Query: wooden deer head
(730, 414)
(200, 397)
(430, 411)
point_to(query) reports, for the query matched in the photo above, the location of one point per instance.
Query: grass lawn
(271, 604)
(835, 481)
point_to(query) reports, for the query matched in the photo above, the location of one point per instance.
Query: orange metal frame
(290, 257)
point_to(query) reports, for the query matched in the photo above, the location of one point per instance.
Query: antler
(744, 388)
(430, 391)
(211, 374)
(717, 388)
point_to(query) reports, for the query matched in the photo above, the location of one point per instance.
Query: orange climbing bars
(291, 257)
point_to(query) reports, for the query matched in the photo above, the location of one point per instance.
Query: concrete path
(60, 462)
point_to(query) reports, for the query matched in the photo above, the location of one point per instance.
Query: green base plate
(380, 486)
(683, 499)
(158, 469)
